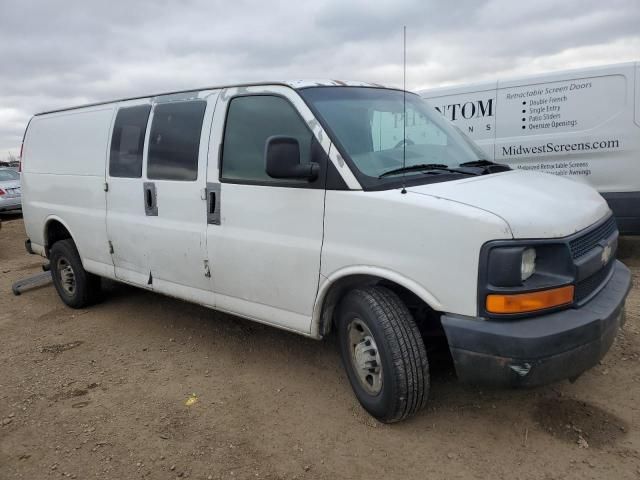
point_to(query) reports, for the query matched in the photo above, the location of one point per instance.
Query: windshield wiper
(425, 166)
(478, 163)
(487, 165)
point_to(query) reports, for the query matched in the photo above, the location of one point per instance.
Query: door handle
(214, 198)
(150, 199)
(212, 203)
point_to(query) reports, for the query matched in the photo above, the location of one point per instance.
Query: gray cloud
(57, 54)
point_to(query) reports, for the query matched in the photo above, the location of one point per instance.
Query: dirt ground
(146, 386)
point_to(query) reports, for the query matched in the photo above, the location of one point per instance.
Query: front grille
(592, 284)
(583, 244)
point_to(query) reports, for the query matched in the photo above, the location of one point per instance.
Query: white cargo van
(580, 124)
(312, 207)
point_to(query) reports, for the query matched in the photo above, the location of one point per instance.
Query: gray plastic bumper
(539, 350)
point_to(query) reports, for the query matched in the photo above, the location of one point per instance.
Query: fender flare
(369, 271)
(56, 218)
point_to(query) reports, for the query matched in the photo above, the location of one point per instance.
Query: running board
(34, 281)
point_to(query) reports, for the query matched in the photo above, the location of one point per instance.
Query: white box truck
(310, 207)
(581, 124)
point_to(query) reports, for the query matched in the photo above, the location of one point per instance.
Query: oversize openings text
(551, 147)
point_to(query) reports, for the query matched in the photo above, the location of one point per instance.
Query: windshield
(6, 175)
(368, 123)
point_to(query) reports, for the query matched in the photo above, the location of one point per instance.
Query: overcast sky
(57, 53)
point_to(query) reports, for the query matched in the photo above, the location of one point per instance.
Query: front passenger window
(250, 121)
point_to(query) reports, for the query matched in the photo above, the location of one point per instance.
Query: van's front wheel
(383, 353)
(75, 286)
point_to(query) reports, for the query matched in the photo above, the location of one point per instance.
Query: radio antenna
(404, 106)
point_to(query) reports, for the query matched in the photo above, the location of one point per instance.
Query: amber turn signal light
(529, 302)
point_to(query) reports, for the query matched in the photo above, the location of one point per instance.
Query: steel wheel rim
(67, 276)
(365, 356)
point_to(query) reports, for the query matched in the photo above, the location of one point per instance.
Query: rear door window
(174, 141)
(127, 142)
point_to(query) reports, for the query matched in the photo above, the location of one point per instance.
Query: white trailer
(580, 124)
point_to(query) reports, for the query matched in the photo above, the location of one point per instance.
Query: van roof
(295, 84)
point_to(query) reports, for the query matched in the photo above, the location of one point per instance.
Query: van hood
(534, 205)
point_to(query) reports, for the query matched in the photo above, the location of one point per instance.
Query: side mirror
(282, 159)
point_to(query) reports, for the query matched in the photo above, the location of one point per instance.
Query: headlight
(528, 265)
(522, 276)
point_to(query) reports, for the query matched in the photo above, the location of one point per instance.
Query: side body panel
(429, 244)
(265, 254)
(64, 158)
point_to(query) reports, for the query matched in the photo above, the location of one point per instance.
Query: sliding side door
(175, 196)
(126, 218)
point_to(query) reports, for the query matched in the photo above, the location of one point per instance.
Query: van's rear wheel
(75, 286)
(383, 353)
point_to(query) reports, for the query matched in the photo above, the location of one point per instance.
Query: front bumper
(539, 350)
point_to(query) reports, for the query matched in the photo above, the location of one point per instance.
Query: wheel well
(427, 319)
(54, 231)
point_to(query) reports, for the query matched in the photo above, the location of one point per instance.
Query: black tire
(86, 286)
(403, 382)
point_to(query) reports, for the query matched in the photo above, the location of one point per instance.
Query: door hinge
(110, 247)
(207, 270)
(106, 187)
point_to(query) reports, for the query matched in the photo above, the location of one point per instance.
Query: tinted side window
(127, 142)
(174, 141)
(250, 121)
